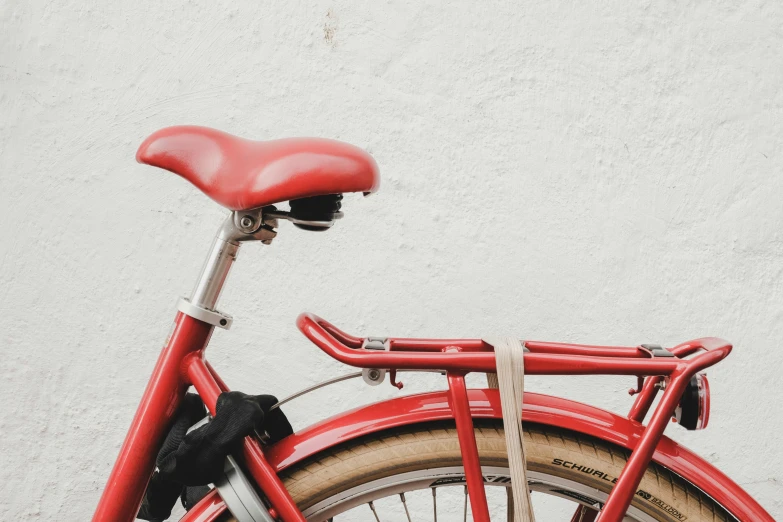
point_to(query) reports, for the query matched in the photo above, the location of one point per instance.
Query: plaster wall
(601, 172)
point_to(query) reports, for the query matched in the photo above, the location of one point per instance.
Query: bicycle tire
(575, 458)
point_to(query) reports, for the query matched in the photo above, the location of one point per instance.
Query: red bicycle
(419, 448)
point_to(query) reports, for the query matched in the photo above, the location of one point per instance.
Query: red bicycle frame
(182, 364)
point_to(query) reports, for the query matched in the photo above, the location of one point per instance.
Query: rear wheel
(416, 472)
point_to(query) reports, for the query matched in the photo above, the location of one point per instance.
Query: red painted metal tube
(435, 345)
(629, 479)
(416, 344)
(606, 362)
(584, 349)
(535, 363)
(460, 407)
(347, 339)
(645, 399)
(695, 345)
(209, 387)
(134, 466)
(201, 378)
(270, 483)
(472, 345)
(477, 345)
(221, 384)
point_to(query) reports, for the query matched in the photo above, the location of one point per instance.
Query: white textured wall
(598, 172)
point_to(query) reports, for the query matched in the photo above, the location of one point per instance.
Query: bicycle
(612, 468)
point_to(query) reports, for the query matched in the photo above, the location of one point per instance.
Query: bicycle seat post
(238, 227)
(222, 255)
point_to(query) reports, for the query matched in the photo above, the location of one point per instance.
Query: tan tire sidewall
(579, 458)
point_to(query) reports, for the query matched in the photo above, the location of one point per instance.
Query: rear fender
(540, 409)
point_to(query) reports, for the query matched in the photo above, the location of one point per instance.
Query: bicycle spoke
(434, 505)
(465, 512)
(372, 506)
(405, 505)
(584, 514)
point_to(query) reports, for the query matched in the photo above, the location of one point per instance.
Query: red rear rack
(655, 367)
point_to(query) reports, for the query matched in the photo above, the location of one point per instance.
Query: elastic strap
(510, 381)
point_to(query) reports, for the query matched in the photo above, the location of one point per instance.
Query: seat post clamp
(212, 317)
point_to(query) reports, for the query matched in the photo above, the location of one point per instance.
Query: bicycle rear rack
(655, 367)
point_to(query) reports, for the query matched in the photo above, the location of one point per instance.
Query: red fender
(540, 409)
(208, 509)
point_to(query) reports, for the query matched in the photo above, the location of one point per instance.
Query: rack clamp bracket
(656, 350)
(375, 376)
(376, 343)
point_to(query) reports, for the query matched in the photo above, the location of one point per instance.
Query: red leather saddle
(242, 174)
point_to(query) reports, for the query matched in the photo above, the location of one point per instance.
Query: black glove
(188, 462)
(200, 456)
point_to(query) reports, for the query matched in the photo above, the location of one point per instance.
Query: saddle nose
(242, 174)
